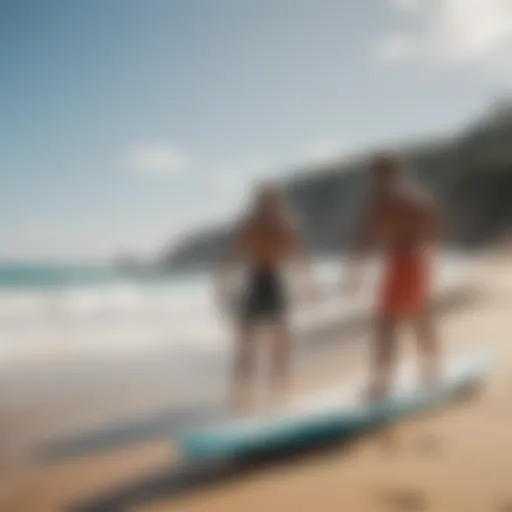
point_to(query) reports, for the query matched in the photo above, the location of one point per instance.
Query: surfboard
(337, 412)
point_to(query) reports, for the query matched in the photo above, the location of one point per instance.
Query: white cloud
(476, 31)
(157, 158)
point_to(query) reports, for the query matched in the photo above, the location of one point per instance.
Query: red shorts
(405, 286)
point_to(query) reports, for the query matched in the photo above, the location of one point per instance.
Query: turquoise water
(40, 276)
(30, 275)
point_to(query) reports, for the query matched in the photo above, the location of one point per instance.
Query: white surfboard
(335, 412)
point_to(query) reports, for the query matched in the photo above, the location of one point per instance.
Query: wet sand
(458, 458)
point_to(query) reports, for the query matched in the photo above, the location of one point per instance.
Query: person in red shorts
(403, 219)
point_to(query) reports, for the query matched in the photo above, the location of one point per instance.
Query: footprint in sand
(404, 500)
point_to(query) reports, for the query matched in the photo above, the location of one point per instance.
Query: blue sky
(124, 123)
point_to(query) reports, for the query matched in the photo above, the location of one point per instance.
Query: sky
(126, 123)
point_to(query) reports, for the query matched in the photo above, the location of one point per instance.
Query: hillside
(471, 174)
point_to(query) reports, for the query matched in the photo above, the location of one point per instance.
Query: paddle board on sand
(336, 412)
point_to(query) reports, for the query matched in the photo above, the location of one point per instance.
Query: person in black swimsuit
(265, 297)
(265, 242)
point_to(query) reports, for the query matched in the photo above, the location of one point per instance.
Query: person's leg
(243, 374)
(428, 347)
(383, 357)
(281, 358)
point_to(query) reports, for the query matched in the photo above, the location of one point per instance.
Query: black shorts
(265, 297)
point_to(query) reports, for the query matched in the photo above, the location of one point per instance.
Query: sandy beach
(455, 459)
